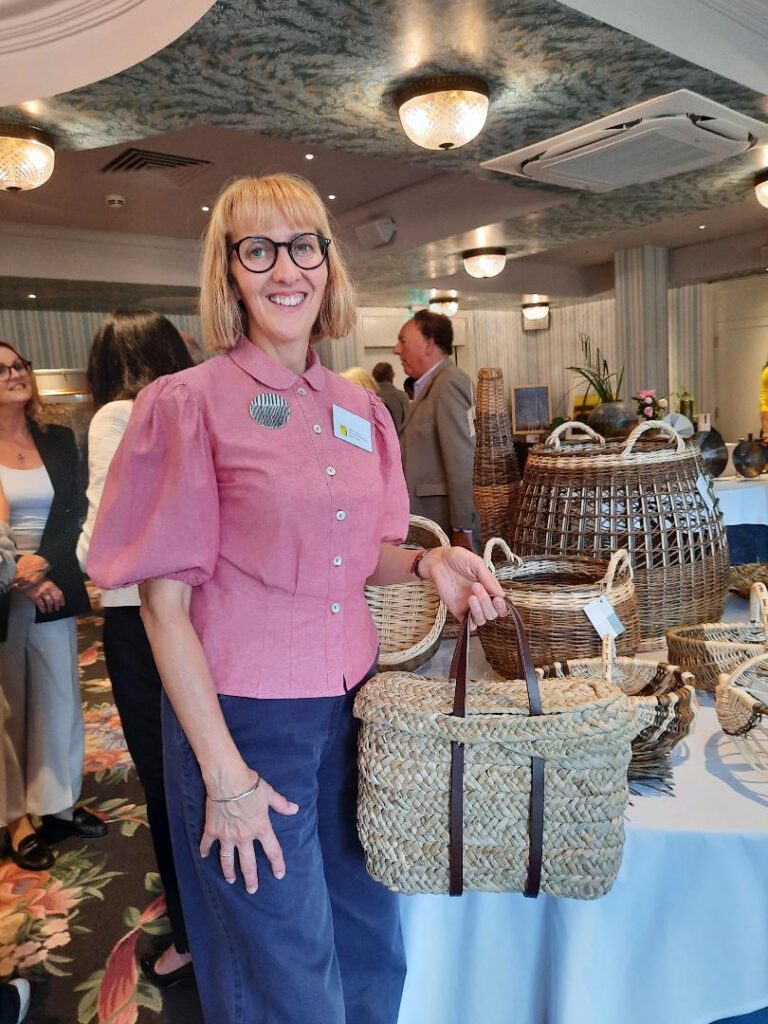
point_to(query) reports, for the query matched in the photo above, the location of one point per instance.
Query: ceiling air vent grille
(178, 170)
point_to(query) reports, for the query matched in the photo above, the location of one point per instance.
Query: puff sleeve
(159, 512)
(395, 506)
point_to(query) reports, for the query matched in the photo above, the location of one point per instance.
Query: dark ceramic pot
(714, 453)
(613, 419)
(749, 458)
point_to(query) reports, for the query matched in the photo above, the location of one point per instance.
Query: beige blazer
(438, 450)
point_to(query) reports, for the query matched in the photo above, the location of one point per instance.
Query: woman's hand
(30, 571)
(465, 583)
(46, 595)
(237, 823)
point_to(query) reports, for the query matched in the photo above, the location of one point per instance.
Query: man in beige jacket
(437, 438)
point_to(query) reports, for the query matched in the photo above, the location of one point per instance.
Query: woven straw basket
(409, 617)
(551, 594)
(497, 786)
(496, 477)
(714, 648)
(742, 710)
(650, 497)
(665, 700)
(743, 576)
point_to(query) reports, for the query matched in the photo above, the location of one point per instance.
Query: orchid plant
(595, 371)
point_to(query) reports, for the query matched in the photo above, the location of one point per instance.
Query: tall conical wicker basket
(496, 477)
(650, 496)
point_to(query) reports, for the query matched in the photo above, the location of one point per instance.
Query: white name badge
(353, 429)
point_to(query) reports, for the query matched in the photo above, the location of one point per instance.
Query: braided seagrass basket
(665, 700)
(551, 593)
(742, 710)
(713, 648)
(650, 497)
(497, 786)
(409, 617)
(496, 477)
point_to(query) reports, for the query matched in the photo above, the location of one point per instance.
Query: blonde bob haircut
(33, 408)
(257, 203)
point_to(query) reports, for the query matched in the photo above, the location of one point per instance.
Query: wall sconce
(448, 304)
(26, 157)
(443, 112)
(486, 262)
(535, 316)
(761, 187)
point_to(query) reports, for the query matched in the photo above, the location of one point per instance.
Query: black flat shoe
(32, 853)
(84, 825)
(147, 964)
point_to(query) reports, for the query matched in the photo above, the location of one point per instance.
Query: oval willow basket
(409, 617)
(714, 648)
(742, 710)
(551, 593)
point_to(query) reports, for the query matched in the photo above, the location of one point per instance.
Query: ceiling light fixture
(443, 112)
(486, 262)
(331, 195)
(448, 305)
(26, 157)
(535, 315)
(31, 295)
(309, 156)
(761, 187)
(702, 226)
(205, 209)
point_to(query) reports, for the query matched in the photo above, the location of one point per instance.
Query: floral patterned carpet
(77, 930)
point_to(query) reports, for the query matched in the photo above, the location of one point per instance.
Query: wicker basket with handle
(649, 496)
(409, 617)
(713, 648)
(551, 593)
(742, 710)
(498, 786)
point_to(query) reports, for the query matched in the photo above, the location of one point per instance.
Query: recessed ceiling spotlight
(31, 295)
(331, 195)
(309, 156)
(702, 226)
(205, 209)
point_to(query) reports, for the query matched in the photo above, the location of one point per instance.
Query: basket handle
(495, 542)
(553, 441)
(609, 657)
(458, 676)
(758, 604)
(619, 558)
(642, 428)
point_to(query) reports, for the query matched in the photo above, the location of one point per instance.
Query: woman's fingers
(227, 858)
(247, 856)
(274, 853)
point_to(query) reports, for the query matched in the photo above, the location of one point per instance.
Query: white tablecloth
(682, 938)
(743, 501)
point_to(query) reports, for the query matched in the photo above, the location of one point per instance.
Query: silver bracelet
(240, 796)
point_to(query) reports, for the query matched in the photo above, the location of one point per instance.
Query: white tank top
(29, 493)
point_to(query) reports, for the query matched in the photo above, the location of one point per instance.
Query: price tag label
(471, 420)
(704, 488)
(603, 617)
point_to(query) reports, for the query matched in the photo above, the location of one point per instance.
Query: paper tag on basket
(603, 617)
(702, 485)
(471, 420)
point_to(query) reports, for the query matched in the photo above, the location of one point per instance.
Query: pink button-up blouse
(273, 520)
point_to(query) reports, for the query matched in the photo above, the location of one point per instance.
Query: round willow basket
(410, 616)
(551, 594)
(713, 648)
(423, 533)
(649, 496)
(664, 697)
(496, 477)
(742, 710)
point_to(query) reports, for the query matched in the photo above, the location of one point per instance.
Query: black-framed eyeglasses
(21, 366)
(258, 253)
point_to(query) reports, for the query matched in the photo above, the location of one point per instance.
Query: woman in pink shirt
(253, 496)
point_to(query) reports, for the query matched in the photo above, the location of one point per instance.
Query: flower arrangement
(649, 406)
(605, 383)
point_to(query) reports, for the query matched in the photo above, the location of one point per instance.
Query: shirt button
(335, 607)
(337, 560)
(317, 428)
(301, 391)
(341, 515)
(330, 471)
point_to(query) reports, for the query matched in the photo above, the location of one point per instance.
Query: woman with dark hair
(131, 349)
(39, 474)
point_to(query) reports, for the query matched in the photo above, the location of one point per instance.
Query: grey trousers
(44, 740)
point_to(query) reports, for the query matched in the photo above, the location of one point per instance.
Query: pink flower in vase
(645, 395)
(648, 411)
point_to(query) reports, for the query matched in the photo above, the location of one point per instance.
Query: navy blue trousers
(322, 945)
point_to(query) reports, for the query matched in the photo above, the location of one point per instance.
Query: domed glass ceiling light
(443, 112)
(26, 157)
(447, 304)
(486, 262)
(761, 187)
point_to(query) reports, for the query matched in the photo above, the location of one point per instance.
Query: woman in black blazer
(40, 476)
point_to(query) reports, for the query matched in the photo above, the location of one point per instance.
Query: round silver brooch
(270, 410)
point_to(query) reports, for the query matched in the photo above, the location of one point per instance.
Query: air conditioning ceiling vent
(669, 135)
(172, 169)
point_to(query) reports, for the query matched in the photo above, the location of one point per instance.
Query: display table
(682, 938)
(744, 504)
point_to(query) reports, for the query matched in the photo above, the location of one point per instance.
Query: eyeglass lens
(21, 367)
(259, 254)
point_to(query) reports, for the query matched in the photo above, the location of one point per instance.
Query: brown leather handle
(458, 676)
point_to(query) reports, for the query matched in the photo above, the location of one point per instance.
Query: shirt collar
(257, 364)
(427, 376)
